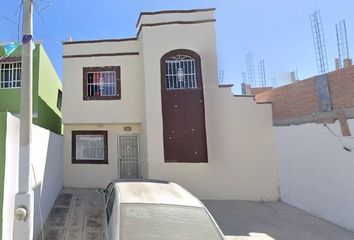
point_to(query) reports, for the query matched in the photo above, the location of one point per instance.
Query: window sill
(74, 161)
(85, 98)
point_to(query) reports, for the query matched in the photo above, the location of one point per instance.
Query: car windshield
(162, 222)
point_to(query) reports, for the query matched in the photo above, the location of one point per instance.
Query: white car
(156, 210)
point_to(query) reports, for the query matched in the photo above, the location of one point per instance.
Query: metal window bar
(10, 75)
(102, 83)
(342, 42)
(129, 156)
(250, 69)
(89, 147)
(319, 43)
(180, 72)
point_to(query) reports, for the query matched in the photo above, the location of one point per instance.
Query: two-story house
(151, 107)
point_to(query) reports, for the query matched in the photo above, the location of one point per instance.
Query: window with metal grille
(89, 147)
(10, 75)
(180, 72)
(101, 83)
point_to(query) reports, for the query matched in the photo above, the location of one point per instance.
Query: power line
(36, 32)
(349, 149)
(19, 20)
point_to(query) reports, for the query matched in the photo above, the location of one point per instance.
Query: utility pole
(23, 213)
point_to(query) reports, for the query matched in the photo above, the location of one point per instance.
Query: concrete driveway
(78, 214)
(271, 221)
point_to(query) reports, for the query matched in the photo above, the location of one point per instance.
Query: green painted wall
(45, 91)
(10, 98)
(49, 116)
(2, 161)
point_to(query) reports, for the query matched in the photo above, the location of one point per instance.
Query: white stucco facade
(234, 125)
(315, 172)
(46, 174)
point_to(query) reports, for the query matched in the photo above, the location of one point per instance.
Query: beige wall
(101, 47)
(126, 110)
(239, 132)
(241, 153)
(94, 175)
(173, 17)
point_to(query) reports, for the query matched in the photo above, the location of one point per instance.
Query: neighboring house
(151, 107)
(313, 125)
(316, 99)
(47, 93)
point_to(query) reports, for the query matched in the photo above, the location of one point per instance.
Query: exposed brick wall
(293, 100)
(341, 87)
(255, 91)
(299, 99)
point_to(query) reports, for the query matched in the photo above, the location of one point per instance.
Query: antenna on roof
(342, 42)
(250, 69)
(319, 43)
(70, 39)
(262, 75)
(294, 76)
(221, 76)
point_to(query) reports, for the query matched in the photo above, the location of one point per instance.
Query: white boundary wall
(47, 165)
(315, 173)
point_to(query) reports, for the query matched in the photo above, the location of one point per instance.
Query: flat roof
(155, 192)
(141, 14)
(173, 11)
(99, 40)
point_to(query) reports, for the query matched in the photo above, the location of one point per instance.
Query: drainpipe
(23, 212)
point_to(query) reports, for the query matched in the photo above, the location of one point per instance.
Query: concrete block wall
(341, 86)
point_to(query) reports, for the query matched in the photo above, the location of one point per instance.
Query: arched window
(180, 69)
(180, 72)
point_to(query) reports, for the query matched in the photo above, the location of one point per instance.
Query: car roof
(155, 192)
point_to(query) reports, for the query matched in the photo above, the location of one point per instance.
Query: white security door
(128, 156)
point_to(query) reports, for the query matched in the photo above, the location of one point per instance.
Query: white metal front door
(128, 156)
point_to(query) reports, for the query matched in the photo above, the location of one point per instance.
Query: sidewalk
(77, 214)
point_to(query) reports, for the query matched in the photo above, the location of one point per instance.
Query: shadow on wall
(2, 162)
(38, 220)
(48, 188)
(48, 118)
(270, 221)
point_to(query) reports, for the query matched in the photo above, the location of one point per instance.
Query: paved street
(245, 220)
(78, 215)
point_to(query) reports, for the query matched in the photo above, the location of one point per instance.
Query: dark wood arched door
(183, 107)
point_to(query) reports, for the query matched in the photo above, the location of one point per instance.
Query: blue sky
(277, 31)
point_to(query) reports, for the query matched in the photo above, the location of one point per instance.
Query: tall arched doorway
(183, 107)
